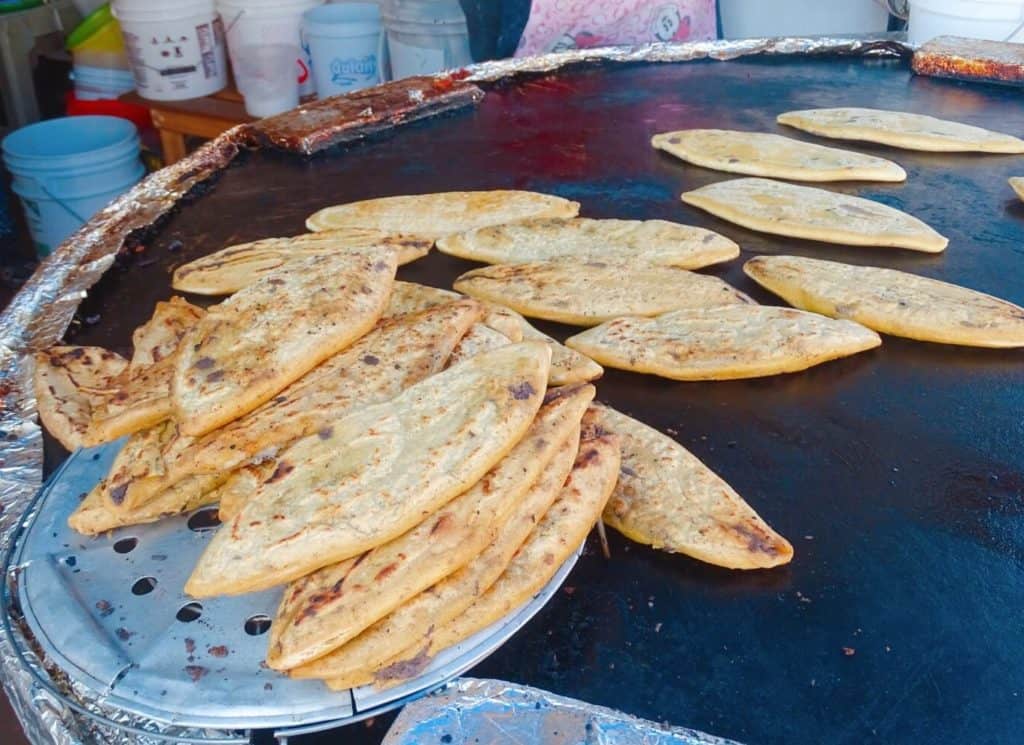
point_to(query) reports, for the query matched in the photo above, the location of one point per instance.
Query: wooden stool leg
(173, 145)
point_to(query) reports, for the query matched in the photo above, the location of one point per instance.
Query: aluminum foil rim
(889, 44)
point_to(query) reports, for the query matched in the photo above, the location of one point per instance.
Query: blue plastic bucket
(101, 83)
(346, 44)
(66, 170)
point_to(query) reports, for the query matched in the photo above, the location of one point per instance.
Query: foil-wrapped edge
(49, 709)
(471, 710)
(323, 124)
(883, 45)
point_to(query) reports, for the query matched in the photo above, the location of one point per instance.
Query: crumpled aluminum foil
(470, 710)
(887, 45)
(51, 711)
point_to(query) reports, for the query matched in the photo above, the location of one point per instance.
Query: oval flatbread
(94, 515)
(568, 366)
(774, 156)
(141, 399)
(563, 528)
(668, 499)
(376, 473)
(437, 215)
(891, 301)
(376, 368)
(589, 293)
(229, 270)
(323, 610)
(158, 338)
(739, 341)
(478, 339)
(251, 346)
(141, 396)
(1017, 184)
(70, 384)
(901, 129)
(409, 624)
(583, 239)
(816, 214)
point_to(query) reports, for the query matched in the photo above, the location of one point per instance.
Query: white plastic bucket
(266, 79)
(251, 23)
(101, 83)
(346, 43)
(994, 20)
(176, 48)
(426, 36)
(745, 19)
(65, 170)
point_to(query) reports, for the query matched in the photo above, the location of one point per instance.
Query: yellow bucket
(97, 41)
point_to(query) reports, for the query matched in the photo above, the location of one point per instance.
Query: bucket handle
(1015, 31)
(381, 62)
(44, 187)
(236, 19)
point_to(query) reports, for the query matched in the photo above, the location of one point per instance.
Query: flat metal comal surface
(897, 474)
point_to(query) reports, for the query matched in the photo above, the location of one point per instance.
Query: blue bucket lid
(69, 142)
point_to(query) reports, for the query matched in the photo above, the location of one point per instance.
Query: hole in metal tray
(125, 545)
(204, 519)
(144, 586)
(256, 625)
(189, 613)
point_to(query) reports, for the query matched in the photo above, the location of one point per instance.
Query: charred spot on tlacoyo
(756, 541)
(326, 433)
(215, 377)
(405, 668)
(370, 359)
(522, 391)
(118, 492)
(277, 281)
(282, 470)
(386, 572)
(204, 363)
(588, 456)
(380, 266)
(319, 600)
(443, 522)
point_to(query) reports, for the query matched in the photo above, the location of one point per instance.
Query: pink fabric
(557, 25)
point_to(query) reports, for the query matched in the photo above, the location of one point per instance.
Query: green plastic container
(10, 6)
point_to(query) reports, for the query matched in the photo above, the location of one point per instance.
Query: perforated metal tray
(111, 612)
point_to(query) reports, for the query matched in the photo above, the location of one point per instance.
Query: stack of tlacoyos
(409, 463)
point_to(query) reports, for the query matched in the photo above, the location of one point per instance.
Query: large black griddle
(897, 474)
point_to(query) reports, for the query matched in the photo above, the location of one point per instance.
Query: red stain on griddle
(196, 672)
(219, 651)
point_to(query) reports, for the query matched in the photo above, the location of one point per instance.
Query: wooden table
(204, 117)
